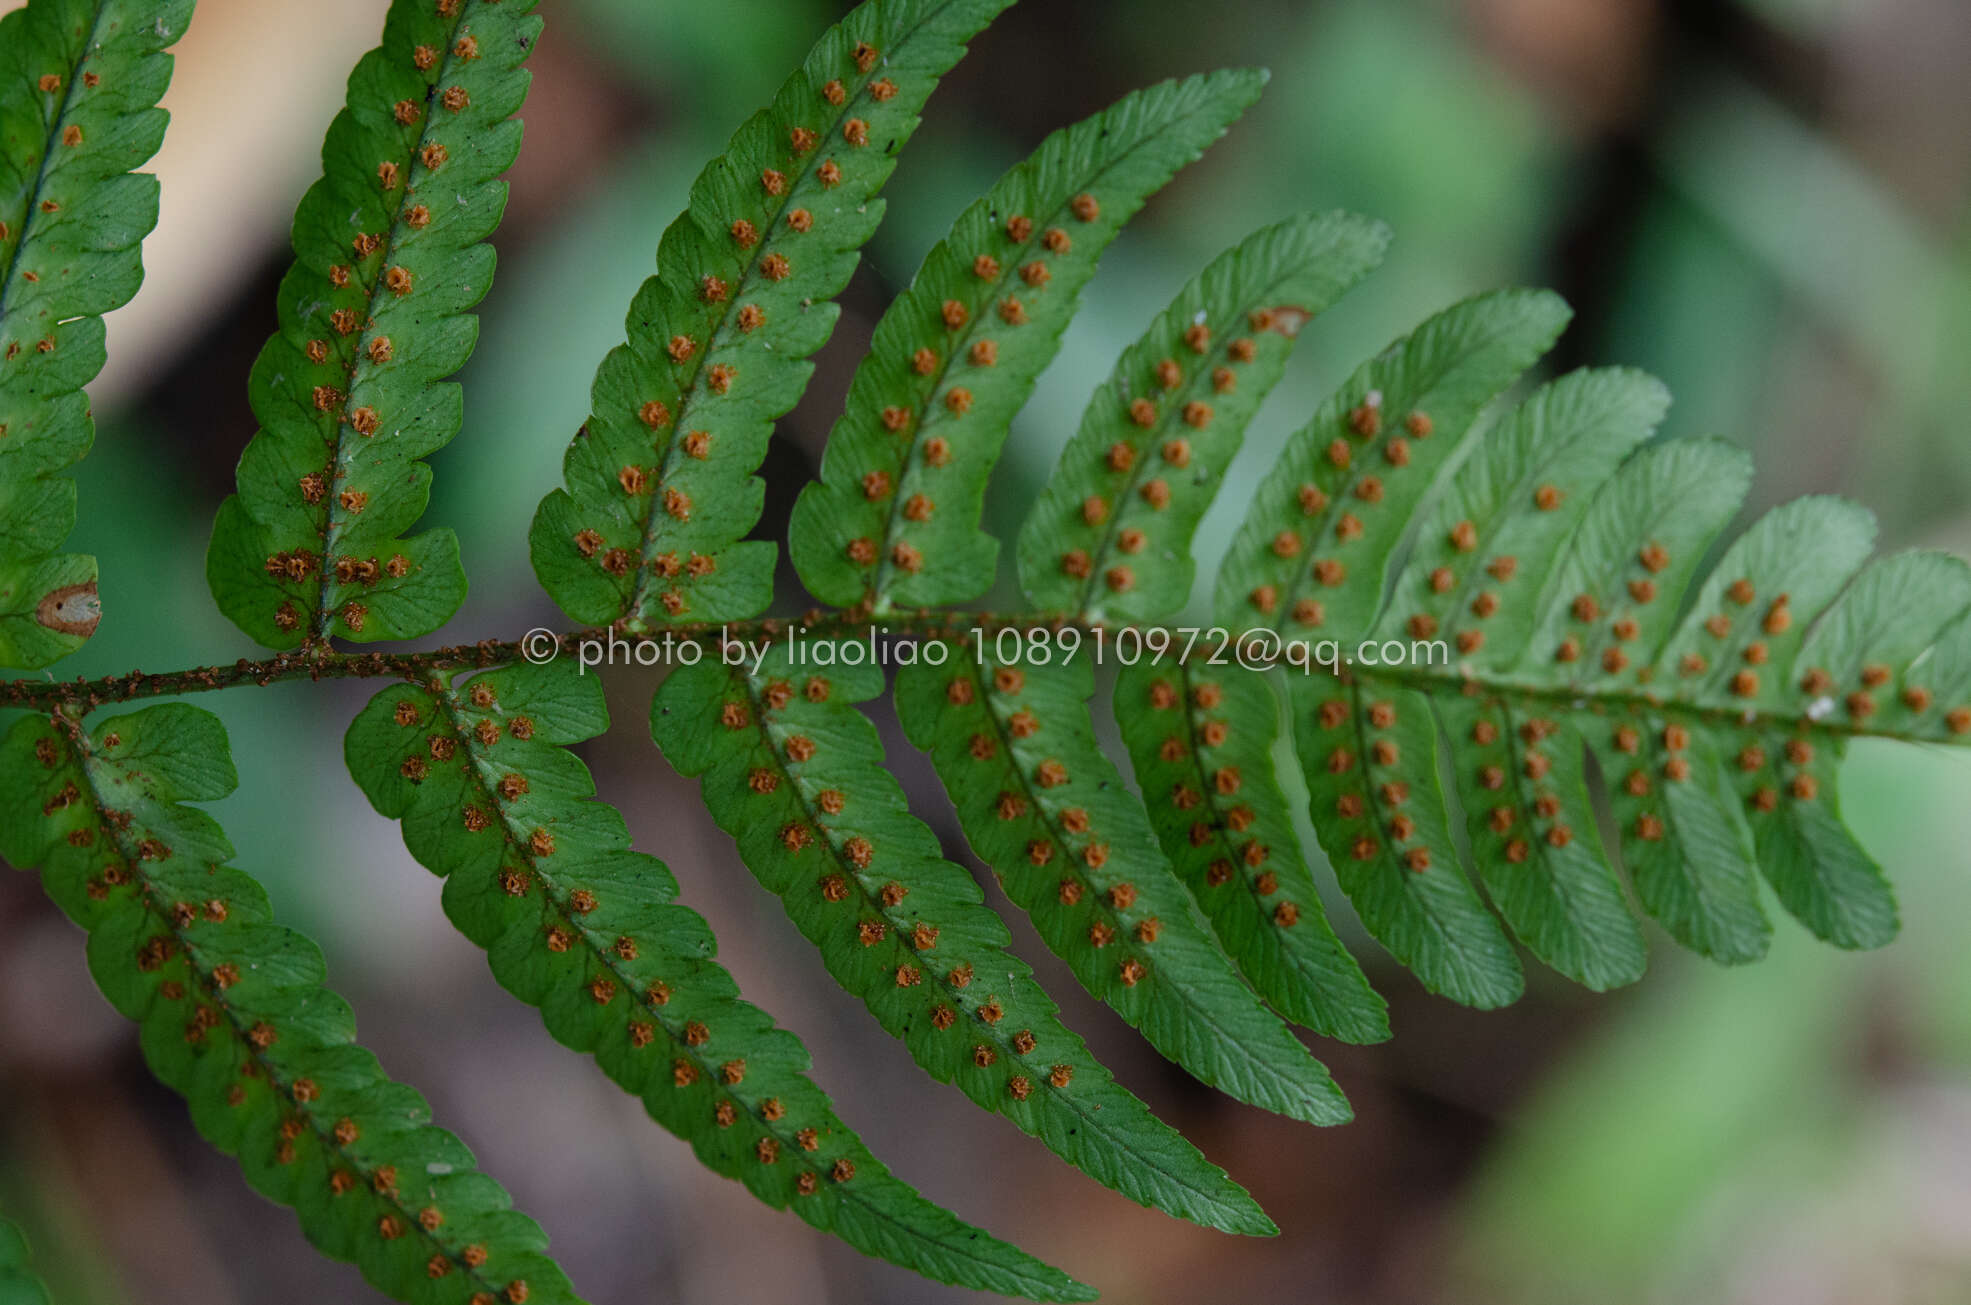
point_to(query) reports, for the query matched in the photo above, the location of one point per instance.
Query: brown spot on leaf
(72, 609)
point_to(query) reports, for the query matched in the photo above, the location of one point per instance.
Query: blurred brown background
(1763, 201)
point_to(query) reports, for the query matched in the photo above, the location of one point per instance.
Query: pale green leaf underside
(233, 1015)
(542, 876)
(1548, 569)
(79, 86)
(796, 774)
(390, 257)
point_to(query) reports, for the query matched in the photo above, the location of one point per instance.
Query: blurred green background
(1764, 202)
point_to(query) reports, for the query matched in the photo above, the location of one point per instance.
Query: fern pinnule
(894, 518)
(1869, 641)
(1650, 522)
(1568, 437)
(1200, 744)
(575, 923)
(1110, 537)
(1369, 753)
(660, 480)
(1560, 895)
(1915, 624)
(1310, 557)
(233, 1013)
(1615, 598)
(1531, 839)
(1806, 550)
(1045, 808)
(390, 256)
(794, 772)
(79, 86)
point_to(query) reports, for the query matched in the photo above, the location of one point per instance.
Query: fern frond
(1482, 617)
(1889, 616)
(1310, 560)
(79, 86)
(894, 518)
(1201, 745)
(660, 484)
(389, 259)
(1110, 537)
(1678, 499)
(1042, 805)
(575, 923)
(18, 1284)
(795, 774)
(233, 1014)
(1554, 570)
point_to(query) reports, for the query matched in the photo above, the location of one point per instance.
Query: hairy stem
(318, 661)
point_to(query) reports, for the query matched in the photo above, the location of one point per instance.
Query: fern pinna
(1513, 597)
(79, 85)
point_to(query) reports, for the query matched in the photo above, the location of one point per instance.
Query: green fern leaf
(1201, 744)
(660, 485)
(1110, 538)
(18, 1285)
(1370, 757)
(1522, 495)
(795, 774)
(1481, 618)
(1805, 550)
(1573, 433)
(574, 922)
(1888, 617)
(1339, 498)
(1558, 891)
(894, 518)
(1042, 805)
(1343, 492)
(1687, 847)
(1554, 569)
(233, 1014)
(1561, 898)
(1727, 676)
(79, 86)
(390, 256)
(1671, 499)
